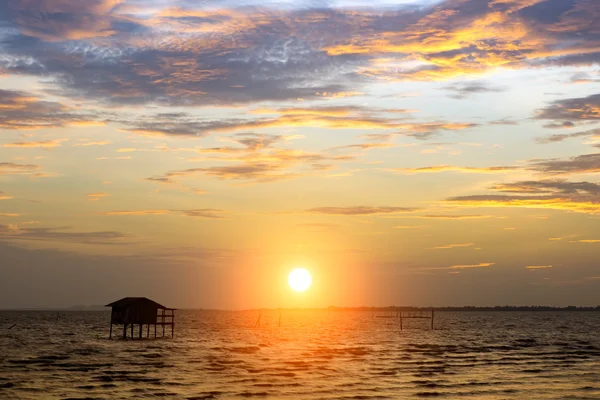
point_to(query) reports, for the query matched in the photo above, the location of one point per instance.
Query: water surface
(313, 355)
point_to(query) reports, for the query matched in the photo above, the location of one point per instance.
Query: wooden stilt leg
(124, 331)
(148, 331)
(110, 333)
(132, 331)
(140, 333)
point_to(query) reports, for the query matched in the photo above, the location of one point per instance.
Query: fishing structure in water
(140, 311)
(402, 315)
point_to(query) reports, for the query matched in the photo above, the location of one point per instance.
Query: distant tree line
(466, 308)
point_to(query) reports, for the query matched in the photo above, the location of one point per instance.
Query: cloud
(364, 146)
(505, 121)
(257, 158)
(594, 133)
(462, 90)
(3, 214)
(581, 197)
(87, 144)
(329, 118)
(560, 125)
(359, 210)
(62, 234)
(453, 168)
(468, 266)
(43, 144)
(136, 212)
(24, 111)
(583, 164)
(536, 267)
(210, 213)
(193, 55)
(7, 168)
(573, 109)
(4, 196)
(453, 217)
(583, 78)
(588, 241)
(452, 246)
(555, 186)
(97, 196)
(53, 20)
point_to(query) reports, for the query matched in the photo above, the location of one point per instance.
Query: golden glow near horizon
(427, 152)
(300, 279)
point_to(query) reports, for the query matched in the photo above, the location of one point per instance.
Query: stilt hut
(140, 311)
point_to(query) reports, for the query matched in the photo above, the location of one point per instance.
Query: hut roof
(127, 301)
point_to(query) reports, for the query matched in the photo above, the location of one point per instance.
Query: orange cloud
(4, 196)
(452, 168)
(136, 212)
(86, 144)
(96, 196)
(535, 267)
(3, 214)
(452, 246)
(467, 266)
(359, 210)
(453, 217)
(210, 213)
(43, 144)
(19, 169)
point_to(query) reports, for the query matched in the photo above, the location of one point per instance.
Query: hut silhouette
(140, 311)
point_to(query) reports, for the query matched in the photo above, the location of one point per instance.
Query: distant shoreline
(334, 308)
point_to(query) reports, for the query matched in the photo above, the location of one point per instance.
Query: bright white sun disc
(299, 279)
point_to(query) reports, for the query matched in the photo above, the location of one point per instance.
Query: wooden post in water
(432, 319)
(124, 331)
(257, 323)
(132, 331)
(163, 322)
(148, 331)
(401, 320)
(110, 332)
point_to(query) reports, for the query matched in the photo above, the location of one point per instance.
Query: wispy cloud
(468, 266)
(360, 210)
(7, 168)
(43, 144)
(462, 90)
(4, 196)
(62, 234)
(453, 168)
(581, 197)
(452, 246)
(97, 196)
(210, 213)
(91, 143)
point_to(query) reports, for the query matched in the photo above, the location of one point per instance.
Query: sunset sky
(195, 152)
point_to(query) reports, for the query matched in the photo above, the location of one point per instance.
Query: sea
(303, 354)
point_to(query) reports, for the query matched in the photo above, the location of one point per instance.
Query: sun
(299, 279)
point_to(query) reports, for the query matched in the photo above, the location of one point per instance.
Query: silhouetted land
(334, 308)
(467, 308)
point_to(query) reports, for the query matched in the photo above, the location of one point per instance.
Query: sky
(404, 152)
